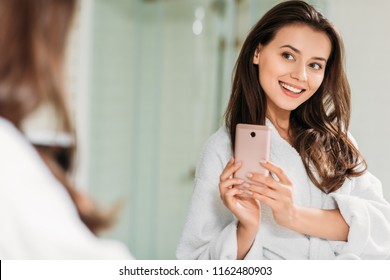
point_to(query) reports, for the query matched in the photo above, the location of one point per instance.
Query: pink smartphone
(252, 145)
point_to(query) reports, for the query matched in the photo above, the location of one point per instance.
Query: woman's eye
(316, 66)
(288, 56)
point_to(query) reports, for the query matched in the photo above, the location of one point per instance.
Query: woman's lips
(291, 90)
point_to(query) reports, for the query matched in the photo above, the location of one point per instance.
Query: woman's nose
(299, 73)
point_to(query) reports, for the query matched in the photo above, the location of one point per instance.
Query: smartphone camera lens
(253, 134)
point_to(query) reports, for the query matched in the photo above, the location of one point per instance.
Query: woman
(42, 216)
(319, 202)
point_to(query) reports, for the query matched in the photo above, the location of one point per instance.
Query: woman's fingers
(229, 170)
(226, 180)
(266, 185)
(231, 194)
(265, 199)
(277, 171)
(264, 191)
(263, 179)
(228, 184)
(269, 197)
(269, 190)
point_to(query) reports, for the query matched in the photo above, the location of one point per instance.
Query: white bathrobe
(210, 230)
(38, 219)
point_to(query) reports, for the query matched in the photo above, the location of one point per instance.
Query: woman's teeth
(290, 88)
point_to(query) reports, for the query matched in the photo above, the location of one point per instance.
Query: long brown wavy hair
(319, 126)
(33, 36)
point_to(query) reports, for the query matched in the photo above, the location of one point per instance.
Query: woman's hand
(241, 203)
(237, 199)
(276, 193)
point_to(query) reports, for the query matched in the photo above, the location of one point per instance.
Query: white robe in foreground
(38, 219)
(210, 230)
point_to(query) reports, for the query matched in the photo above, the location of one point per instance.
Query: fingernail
(240, 181)
(246, 185)
(246, 192)
(263, 161)
(249, 175)
(237, 163)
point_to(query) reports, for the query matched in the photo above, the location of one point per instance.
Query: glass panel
(153, 106)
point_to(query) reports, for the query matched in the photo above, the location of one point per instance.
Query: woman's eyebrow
(291, 47)
(299, 52)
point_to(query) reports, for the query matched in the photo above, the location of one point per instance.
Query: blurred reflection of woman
(42, 216)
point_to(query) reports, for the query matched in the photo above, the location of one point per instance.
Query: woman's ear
(256, 56)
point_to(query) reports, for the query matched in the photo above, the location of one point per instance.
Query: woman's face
(292, 66)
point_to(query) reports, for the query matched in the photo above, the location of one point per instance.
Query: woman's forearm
(326, 224)
(245, 239)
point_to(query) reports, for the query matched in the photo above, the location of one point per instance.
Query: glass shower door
(153, 105)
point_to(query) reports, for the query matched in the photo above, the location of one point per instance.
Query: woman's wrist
(245, 237)
(296, 221)
(248, 229)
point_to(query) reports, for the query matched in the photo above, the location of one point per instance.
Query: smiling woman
(320, 202)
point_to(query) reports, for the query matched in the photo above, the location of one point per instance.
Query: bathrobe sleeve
(211, 230)
(363, 207)
(368, 215)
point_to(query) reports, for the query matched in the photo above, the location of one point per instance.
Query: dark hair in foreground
(319, 126)
(33, 35)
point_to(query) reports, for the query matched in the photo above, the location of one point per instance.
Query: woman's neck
(281, 121)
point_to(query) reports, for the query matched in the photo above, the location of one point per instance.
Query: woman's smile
(291, 90)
